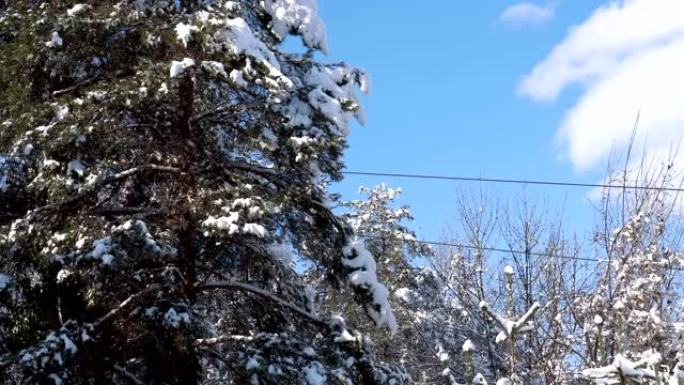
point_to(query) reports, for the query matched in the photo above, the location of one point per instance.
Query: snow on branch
(92, 188)
(299, 17)
(222, 338)
(622, 370)
(511, 327)
(364, 277)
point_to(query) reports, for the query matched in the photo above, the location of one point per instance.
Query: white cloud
(527, 13)
(597, 46)
(628, 56)
(651, 82)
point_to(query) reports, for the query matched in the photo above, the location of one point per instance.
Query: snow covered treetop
(299, 17)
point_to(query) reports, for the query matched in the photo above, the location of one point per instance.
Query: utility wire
(511, 251)
(511, 181)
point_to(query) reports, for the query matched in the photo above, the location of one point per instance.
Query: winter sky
(535, 90)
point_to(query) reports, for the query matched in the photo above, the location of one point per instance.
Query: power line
(513, 181)
(513, 251)
(510, 181)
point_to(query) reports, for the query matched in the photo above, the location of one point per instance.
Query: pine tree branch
(127, 211)
(222, 338)
(128, 374)
(266, 172)
(234, 108)
(7, 359)
(76, 86)
(92, 189)
(264, 294)
(112, 313)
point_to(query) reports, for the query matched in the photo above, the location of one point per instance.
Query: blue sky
(445, 99)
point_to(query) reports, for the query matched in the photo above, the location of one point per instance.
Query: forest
(166, 217)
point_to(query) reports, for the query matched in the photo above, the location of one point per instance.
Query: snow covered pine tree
(161, 160)
(415, 293)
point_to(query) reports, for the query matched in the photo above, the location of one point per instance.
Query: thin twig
(125, 303)
(75, 86)
(128, 374)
